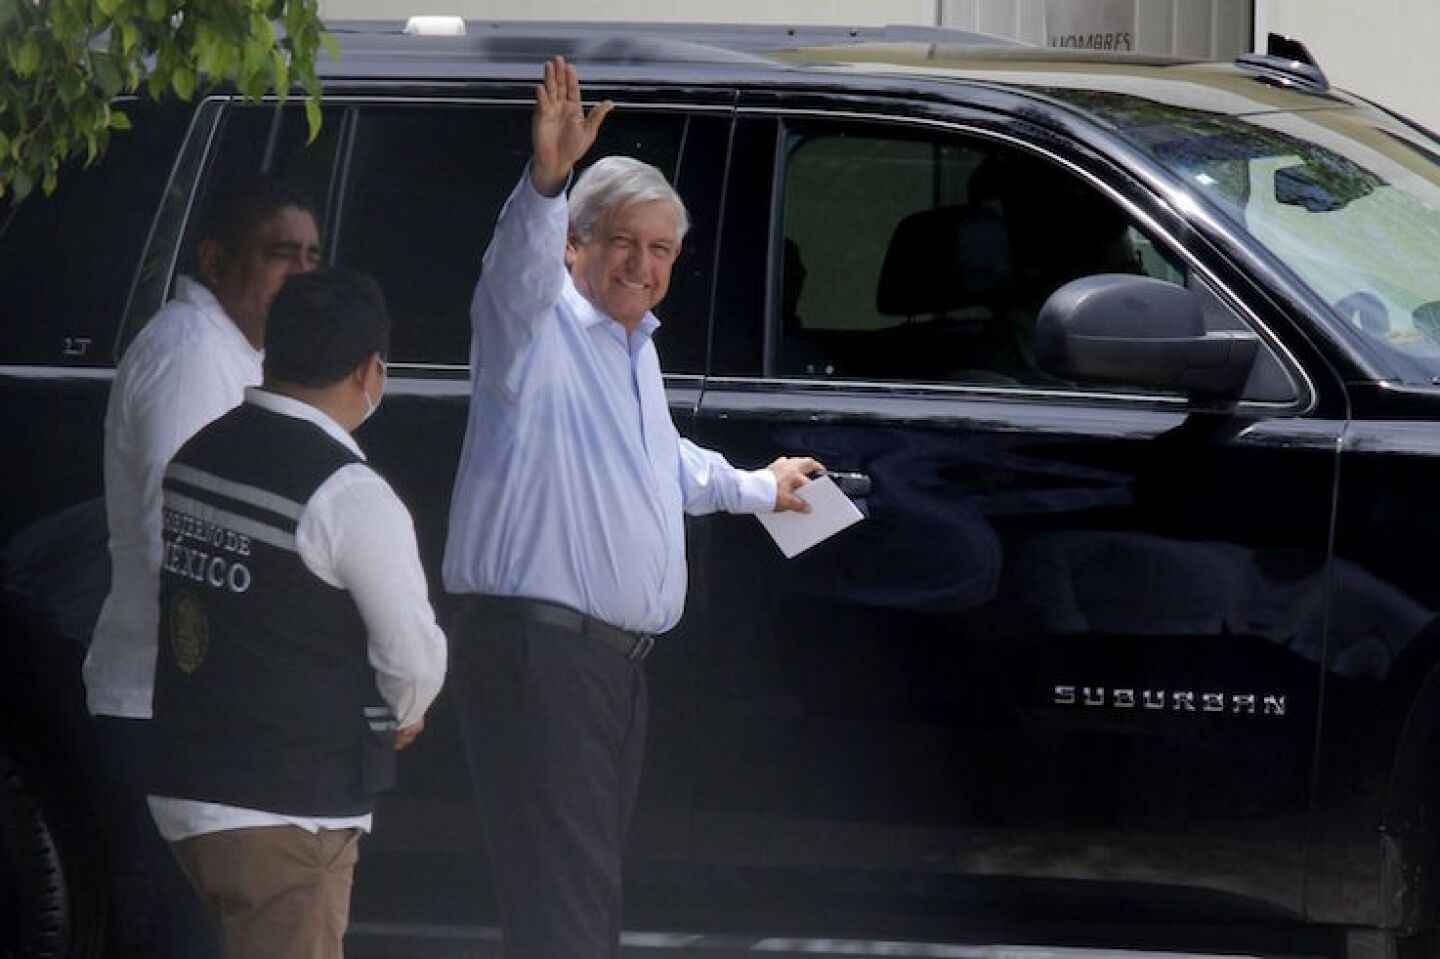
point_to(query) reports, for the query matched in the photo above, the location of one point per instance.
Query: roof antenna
(1288, 57)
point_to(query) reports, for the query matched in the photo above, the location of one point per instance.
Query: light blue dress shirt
(573, 478)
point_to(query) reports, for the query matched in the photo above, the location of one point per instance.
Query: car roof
(809, 56)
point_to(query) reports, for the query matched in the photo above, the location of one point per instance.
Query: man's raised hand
(560, 132)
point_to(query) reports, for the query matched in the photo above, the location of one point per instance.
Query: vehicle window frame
(176, 214)
(155, 271)
(353, 104)
(1306, 395)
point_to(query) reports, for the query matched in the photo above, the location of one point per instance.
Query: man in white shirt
(191, 363)
(297, 647)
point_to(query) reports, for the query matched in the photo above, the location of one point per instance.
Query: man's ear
(210, 257)
(572, 247)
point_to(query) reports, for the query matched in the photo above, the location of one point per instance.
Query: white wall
(1209, 29)
(1381, 49)
(1213, 29)
(854, 12)
(1217, 29)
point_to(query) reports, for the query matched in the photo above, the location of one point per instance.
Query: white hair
(615, 182)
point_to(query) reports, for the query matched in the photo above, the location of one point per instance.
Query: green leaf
(107, 74)
(87, 113)
(332, 46)
(155, 9)
(72, 85)
(183, 82)
(64, 21)
(119, 121)
(23, 183)
(27, 59)
(4, 144)
(207, 51)
(294, 18)
(312, 118)
(282, 71)
(108, 7)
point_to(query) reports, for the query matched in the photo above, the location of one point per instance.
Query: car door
(1068, 663)
(424, 182)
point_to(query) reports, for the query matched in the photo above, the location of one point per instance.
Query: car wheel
(34, 906)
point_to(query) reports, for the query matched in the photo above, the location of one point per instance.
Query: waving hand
(560, 131)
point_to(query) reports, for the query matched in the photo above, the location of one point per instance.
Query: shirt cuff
(533, 195)
(757, 491)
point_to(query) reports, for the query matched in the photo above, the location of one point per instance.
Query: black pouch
(377, 753)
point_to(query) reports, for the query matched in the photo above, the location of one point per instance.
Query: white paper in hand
(830, 512)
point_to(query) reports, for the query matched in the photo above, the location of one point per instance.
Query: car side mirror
(1142, 332)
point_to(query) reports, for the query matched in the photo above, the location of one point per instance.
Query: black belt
(634, 646)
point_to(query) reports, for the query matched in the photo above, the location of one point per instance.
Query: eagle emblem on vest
(189, 631)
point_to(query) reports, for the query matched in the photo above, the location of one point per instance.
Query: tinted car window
(93, 227)
(259, 137)
(910, 259)
(419, 219)
(278, 142)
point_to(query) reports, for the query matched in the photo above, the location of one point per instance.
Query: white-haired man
(566, 549)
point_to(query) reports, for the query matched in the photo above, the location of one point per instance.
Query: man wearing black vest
(297, 646)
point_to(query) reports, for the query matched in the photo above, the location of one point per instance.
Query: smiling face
(624, 266)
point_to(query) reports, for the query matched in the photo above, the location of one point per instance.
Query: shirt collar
(300, 410)
(591, 316)
(192, 291)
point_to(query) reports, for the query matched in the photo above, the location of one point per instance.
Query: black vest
(264, 695)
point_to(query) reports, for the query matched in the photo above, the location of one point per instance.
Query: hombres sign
(1090, 24)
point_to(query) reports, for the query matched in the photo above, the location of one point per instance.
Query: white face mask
(372, 405)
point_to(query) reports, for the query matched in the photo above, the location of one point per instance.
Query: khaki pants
(277, 892)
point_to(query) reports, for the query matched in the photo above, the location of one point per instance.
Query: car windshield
(1347, 197)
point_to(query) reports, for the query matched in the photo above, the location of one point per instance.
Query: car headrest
(944, 259)
(1426, 317)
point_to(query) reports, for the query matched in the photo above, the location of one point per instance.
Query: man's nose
(642, 261)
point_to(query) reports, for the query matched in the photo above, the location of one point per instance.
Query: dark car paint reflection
(929, 548)
(57, 571)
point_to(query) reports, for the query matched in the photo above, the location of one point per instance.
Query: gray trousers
(554, 728)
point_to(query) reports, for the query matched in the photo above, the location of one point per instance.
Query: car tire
(34, 904)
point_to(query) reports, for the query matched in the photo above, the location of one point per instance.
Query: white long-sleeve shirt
(188, 366)
(354, 534)
(573, 480)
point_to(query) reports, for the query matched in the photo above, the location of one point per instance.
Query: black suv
(1136, 360)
